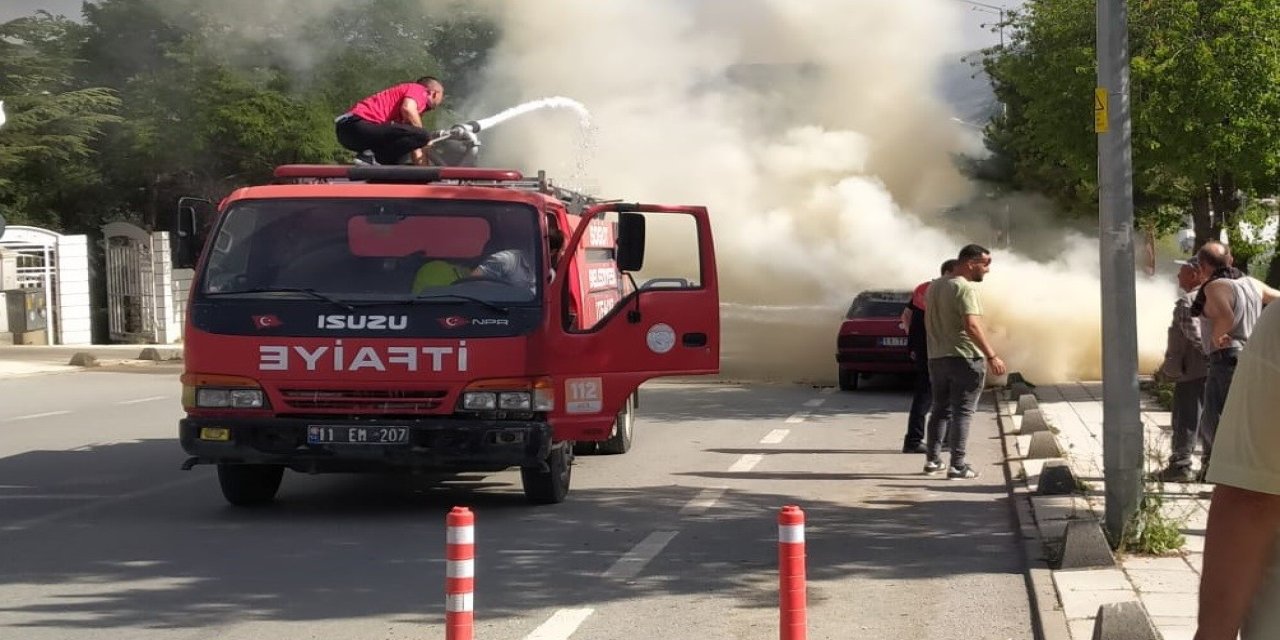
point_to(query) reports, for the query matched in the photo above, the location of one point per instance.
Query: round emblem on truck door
(661, 338)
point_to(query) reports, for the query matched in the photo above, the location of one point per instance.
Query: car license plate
(357, 435)
(893, 342)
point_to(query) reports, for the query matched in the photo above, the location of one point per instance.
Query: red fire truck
(401, 318)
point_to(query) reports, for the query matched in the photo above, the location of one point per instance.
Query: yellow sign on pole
(1101, 110)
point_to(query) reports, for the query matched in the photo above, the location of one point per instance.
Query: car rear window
(880, 305)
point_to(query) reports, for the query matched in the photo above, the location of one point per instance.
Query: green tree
(1205, 99)
(47, 146)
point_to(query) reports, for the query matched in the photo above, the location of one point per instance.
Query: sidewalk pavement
(28, 360)
(1166, 586)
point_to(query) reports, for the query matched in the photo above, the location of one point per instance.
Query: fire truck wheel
(848, 380)
(246, 485)
(623, 431)
(549, 487)
(585, 448)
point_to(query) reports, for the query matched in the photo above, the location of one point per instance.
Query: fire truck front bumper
(320, 446)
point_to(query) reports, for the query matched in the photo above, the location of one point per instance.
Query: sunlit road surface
(102, 536)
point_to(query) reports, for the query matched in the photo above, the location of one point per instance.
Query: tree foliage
(1205, 105)
(142, 101)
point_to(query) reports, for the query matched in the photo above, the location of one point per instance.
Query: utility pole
(990, 8)
(1121, 424)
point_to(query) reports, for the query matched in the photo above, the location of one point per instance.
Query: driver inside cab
(437, 273)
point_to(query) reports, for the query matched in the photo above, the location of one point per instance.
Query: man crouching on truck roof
(388, 124)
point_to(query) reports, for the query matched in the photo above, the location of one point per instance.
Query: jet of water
(2, 118)
(534, 105)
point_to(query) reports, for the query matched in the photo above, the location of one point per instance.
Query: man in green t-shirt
(959, 355)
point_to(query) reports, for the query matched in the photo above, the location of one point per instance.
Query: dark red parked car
(872, 338)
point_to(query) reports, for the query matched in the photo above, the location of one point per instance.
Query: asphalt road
(102, 536)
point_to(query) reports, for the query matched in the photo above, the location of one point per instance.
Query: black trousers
(390, 143)
(921, 401)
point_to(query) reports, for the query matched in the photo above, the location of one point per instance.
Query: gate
(59, 264)
(131, 284)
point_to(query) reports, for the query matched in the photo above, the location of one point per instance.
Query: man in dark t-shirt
(917, 345)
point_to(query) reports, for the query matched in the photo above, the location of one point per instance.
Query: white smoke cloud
(823, 176)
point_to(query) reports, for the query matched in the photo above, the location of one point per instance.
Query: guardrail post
(792, 601)
(460, 572)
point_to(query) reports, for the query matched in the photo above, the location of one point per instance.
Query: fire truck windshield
(377, 250)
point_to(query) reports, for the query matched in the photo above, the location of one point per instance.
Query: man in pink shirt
(388, 124)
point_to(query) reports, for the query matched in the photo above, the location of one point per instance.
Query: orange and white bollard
(792, 601)
(460, 574)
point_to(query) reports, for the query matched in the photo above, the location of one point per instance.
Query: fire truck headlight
(229, 398)
(246, 398)
(480, 401)
(515, 400)
(213, 398)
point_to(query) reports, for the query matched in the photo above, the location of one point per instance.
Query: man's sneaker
(961, 473)
(915, 448)
(932, 466)
(1181, 473)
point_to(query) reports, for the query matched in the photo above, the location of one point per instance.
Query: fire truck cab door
(627, 334)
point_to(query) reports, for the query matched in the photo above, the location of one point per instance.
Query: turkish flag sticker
(266, 322)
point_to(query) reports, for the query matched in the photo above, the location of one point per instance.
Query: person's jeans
(1222, 367)
(957, 385)
(920, 402)
(1188, 398)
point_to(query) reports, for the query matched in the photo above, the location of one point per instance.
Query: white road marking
(797, 418)
(33, 416)
(746, 463)
(52, 496)
(816, 402)
(828, 391)
(142, 400)
(703, 501)
(560, 625)
(23, 525)
(776, 436)
(631, 564)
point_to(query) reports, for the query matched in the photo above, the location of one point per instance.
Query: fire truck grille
(364, 400)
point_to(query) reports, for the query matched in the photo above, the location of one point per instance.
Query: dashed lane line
(776, 436)
(561, 625)
(814, 403)
(705, 499)
(633, 562)
(797, 418)
(142, 400)
(746, 463)
(35, 416)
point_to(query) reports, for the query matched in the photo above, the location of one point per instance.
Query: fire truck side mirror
(189, 231)
(630, 241)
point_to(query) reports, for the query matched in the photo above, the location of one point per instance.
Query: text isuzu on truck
(386, 318)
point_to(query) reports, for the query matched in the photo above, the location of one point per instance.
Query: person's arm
(1188, 324)
(1239, 543)
(905, 318)
(973, 327)
(1217, 311)
(1269, 295)
(410, 113)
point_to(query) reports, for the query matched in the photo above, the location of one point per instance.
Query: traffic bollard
(792, 601)
(460, 572)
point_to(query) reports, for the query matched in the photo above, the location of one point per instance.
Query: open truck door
(661, 319)
(191, 225)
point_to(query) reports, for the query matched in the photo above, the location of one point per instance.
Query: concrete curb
(1091, 553)
(1048, 618)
